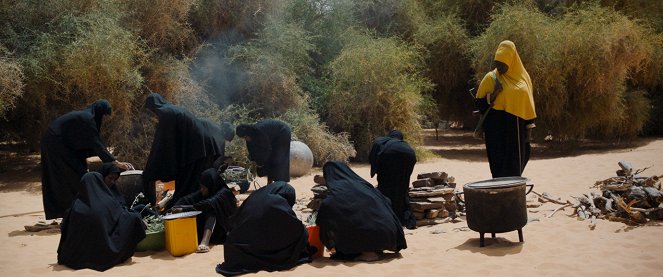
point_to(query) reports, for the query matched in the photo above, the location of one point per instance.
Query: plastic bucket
(181, 233)
(314, 240)
(152, 241)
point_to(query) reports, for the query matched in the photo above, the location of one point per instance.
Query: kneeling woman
(216, 202)
(265, 233)
(355, 219)
(97, 232)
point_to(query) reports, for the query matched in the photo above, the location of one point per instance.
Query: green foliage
(11, 81)
(578, 74)
(377, 86)
(324, 145)
(163, 24)
(443, 41)
(274, 60)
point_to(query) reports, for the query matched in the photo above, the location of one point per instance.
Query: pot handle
(531, 187)
(457, 194)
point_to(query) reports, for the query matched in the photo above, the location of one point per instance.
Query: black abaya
(68, 141)
(183, 147)
(265, 233)
(506, 143)
(355, 217)
(220, 203)
(393, 160)
(97, 232)
(269, 148)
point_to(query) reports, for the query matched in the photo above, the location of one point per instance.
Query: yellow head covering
(517, 94)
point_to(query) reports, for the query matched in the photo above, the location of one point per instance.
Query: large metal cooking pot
(497, 205)
(130, 184)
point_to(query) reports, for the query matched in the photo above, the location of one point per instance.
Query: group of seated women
(356, 223)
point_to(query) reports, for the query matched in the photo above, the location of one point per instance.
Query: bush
(274, 61)
(448, 67)
(11, 82)
(578, 74)
(377, 86)
(326, 146)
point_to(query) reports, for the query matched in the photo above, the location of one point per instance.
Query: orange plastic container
(181, 234)
(169, 185)
(314, 240)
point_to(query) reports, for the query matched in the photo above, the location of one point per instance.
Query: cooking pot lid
(502, 182)
(132, 172)
(182, 215)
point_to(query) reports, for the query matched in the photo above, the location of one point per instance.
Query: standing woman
(67, 143)
(268, 143)
(506, 94)
(393, 160)
(183, 147)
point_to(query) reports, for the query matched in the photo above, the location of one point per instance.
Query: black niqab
(97, 232)
(355, 217)
(107, 169)
(265, 233)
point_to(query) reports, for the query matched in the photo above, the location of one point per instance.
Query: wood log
(432, 213)
(443, 214)
(423, 206)
(424, 222)
(426, 182)
(437, 199)
(418, 215)
(434, 175)
(549, 198)
(441, 192)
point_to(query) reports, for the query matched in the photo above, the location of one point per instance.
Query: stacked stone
(432, 198)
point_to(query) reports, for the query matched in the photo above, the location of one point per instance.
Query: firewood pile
(629, 197)
(432, 198)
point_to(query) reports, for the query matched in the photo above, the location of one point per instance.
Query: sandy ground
(556, 246)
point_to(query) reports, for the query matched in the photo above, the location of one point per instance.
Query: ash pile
(630, 197)
(432, 198)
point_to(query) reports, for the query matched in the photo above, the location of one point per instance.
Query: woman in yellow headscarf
(506, 94)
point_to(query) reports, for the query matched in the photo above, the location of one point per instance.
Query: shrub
(326, 146)
(443, 41)
(578, 74)
(11, 82)
(377, 86)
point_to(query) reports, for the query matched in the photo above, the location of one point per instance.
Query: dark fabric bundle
(355, 217)
(265, 233)
(97, 232)
(183, 147)
(67, 142)
(220, 203)
(393, 160)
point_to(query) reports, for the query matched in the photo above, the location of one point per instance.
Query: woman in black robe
(97, 232)
(268, 143)
(393, 160)
(217, 203)
(355, 219)
(183, 147)
(265, 233)
(67, 143)
(111, 174)
(505, 98)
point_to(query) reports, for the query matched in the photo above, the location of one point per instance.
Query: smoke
(218, 75)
